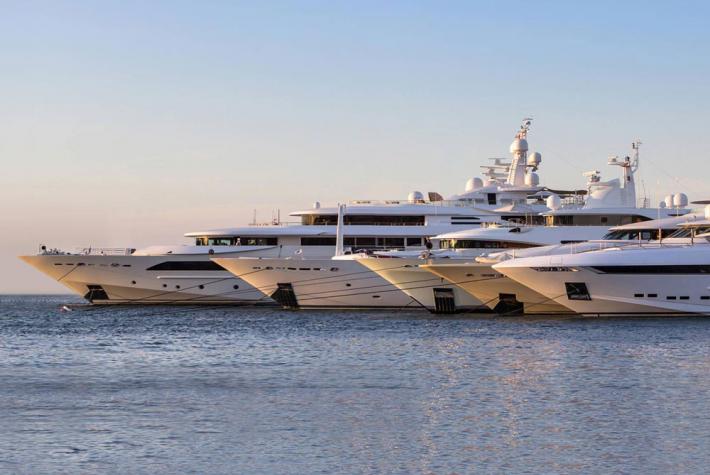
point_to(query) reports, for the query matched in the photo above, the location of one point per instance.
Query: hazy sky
(129, 123)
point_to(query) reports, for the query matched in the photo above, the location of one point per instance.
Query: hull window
(187, 265)
(577, 291)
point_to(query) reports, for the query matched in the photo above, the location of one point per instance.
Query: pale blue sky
(129, 123)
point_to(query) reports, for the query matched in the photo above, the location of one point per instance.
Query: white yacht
(341, 282)
(607, 204)
(665, 277)
(185, 273)
(479, 279)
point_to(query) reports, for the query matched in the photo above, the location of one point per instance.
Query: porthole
(200, 286)
(469, 275)
(671, 297)
(652, 296)
(684, 297)
(375, 296)
(638, 295)
(133, 282)
(235, 287)
(348, 284)
(165, 286)
(177, 286)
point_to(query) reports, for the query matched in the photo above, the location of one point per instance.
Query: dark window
(491, 198)
(652, 296)
(477, 244)
(236, 241)
(366, 241)
(391, 242)
(414, 241)
(363, 220)
(317, 241)
(638, 295)
(593, 220)
(186, 265)
(577, 291)
(671, 297)
(684, 297)
(666, 269)
(705, 297)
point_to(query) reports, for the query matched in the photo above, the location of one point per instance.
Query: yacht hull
(493, 289)
(321, 283)
(426, 289)
(127, 280)
(618, 282)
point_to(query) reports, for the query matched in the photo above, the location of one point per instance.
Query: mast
(519, 149)
(339, 231)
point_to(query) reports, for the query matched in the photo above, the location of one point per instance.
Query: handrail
(88, 251)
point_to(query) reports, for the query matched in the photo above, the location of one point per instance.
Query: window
(593, 220)
(317, 241)
(186, 265)
(391, 242)
(577, 291)
(236, 241)
(414, 241)
(664, 269)
(363, 220)
(491, 198)
(478, 243)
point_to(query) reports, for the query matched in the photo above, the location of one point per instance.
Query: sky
(124, 124)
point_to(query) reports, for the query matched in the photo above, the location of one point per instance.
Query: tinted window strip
(668, 269)
(187, 265)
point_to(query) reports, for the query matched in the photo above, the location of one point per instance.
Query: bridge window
(363, 220)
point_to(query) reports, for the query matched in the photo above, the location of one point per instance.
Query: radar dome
(532, 179)
(669, 201)
(316, 205)
(415, 196)
(534, 159)
(680, 200)
(474, 184)
(519, 145)
(553, 202)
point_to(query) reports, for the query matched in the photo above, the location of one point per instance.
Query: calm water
(225, 390)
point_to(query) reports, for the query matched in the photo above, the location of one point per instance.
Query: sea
(267, 391)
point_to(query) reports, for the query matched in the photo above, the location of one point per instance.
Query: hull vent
(96, 292)
(444, 301)
(285, 296)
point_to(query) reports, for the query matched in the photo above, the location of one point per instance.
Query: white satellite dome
(519, 145)
(534, 159)
(669, 201)
(553, 202)
(474, 184)
(532, 179)
(415, 196)
(680, 200)
(316, 205)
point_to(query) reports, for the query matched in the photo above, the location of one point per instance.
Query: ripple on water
(262, 390)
